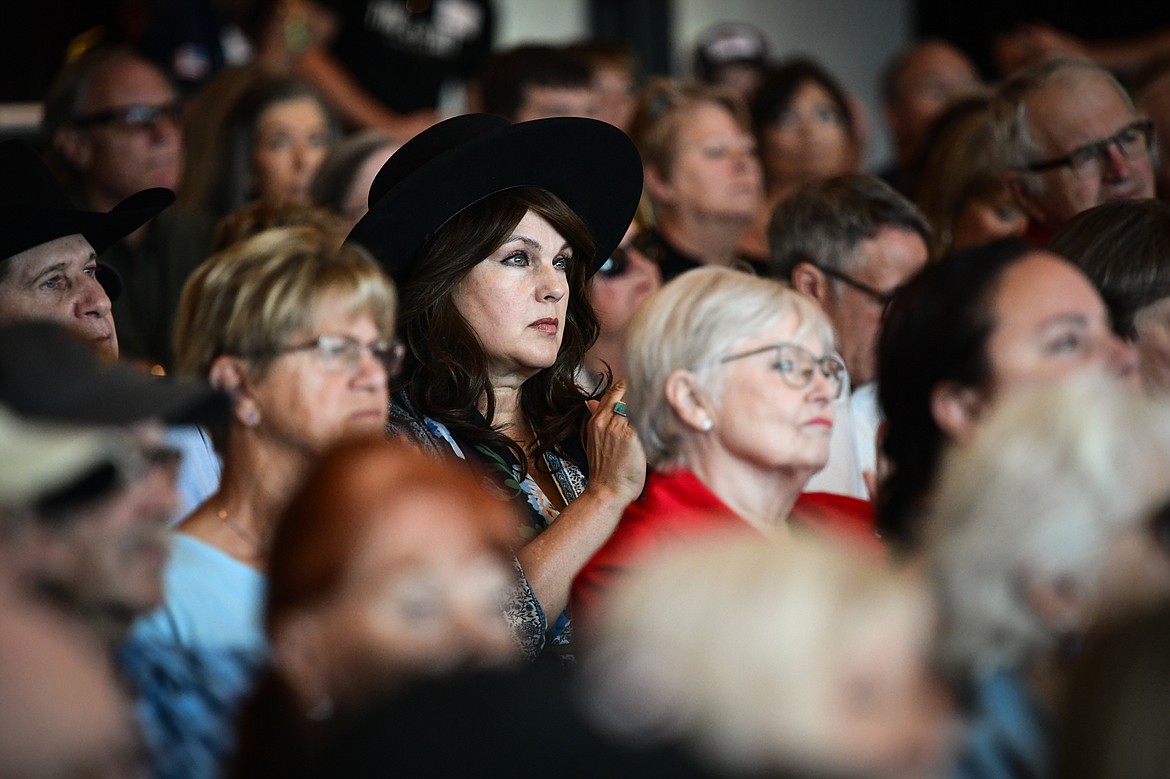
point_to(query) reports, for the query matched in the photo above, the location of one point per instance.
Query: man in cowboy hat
(48, 249)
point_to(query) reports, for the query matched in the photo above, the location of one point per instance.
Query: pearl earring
(707, 424)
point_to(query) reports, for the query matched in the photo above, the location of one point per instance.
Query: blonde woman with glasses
(300, 331)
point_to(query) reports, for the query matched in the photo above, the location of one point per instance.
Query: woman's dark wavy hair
(446, 370)
(935, 330)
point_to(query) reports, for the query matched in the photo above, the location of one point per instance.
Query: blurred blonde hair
(662, 108)
(259, 216)
(252, 298)
(740, 648)
(1049, 480)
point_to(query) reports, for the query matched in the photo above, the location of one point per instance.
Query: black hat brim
(46, 373)
(25, 227)
(592, 166)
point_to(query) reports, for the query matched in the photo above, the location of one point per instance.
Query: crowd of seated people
(625, 426)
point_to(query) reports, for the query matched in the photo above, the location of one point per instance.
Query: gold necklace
(238, 529)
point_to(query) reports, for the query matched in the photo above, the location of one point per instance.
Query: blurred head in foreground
(386, 567)
(772, 658)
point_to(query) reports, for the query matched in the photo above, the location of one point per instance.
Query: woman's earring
(707, 424)
(251, 417)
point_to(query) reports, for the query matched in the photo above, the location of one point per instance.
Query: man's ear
(74, 146)
(689, 402)
(1017, 183)
(810, 280)
(956, 409)
(231, 375)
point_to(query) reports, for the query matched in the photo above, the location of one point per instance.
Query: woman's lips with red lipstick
(547, 325)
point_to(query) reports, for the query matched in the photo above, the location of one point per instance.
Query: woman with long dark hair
(492, 231)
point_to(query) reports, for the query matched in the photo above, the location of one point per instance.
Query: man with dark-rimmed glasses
(1071, 140)
(112, 123)
(849, 242)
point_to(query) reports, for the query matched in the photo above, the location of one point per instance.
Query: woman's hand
(616, 459)
(617, 471)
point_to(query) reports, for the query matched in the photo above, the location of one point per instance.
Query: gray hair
(1010, 107)
(690, 323)
(1050, 479)
(825, 221)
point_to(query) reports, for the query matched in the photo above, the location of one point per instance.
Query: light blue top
(198, 472)
(213, 601)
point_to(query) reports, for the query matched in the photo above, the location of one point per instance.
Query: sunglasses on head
(617, 264)
(619, 260)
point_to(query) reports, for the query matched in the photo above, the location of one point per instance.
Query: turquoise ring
(619, 408)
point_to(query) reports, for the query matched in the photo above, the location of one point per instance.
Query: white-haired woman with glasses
(300, 331)
(731, 383)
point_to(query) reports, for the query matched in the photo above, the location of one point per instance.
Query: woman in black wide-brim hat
(492, 231)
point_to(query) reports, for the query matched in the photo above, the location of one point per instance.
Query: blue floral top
(187, 700)
(503, 478)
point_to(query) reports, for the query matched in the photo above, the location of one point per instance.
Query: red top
(676, 507)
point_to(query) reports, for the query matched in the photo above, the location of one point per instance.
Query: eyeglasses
(132, 117)
(798, 366)
(340, 353)
(126, 464)
(1089, 160)
(881, 298)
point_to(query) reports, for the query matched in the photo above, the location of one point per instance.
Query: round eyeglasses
(798, 366)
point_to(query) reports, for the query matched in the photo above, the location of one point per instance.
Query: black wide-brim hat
(590, 165)
(48, 373)
(34, 208)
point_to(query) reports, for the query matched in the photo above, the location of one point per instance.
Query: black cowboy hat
(590, 165)
(47, 373)
(35, 209)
